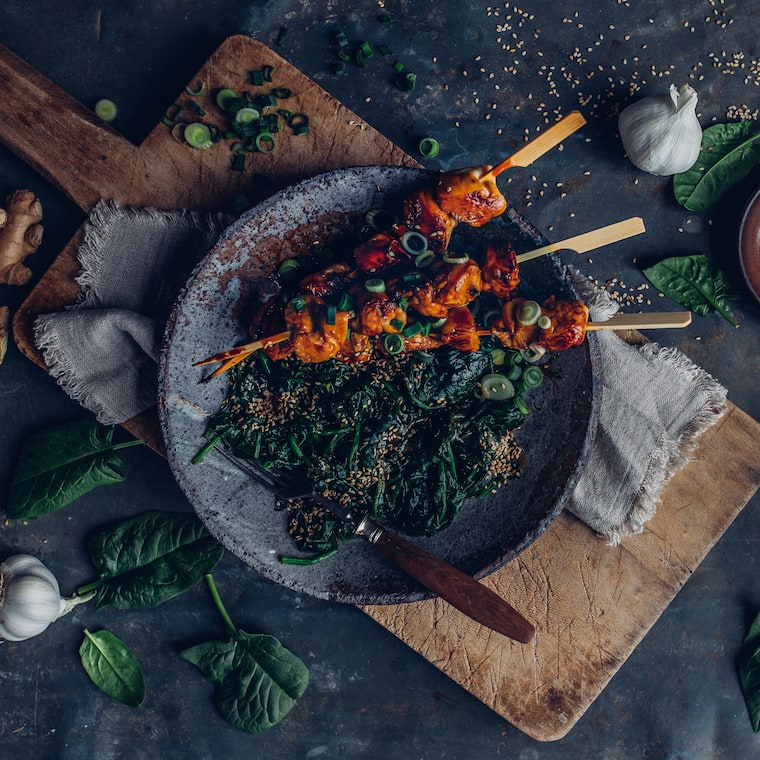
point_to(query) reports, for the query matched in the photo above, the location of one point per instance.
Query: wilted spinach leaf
(150, 558)
(112, 667)
(58, 465)
(694, 283)
(728, 154)
(749, 673)
(258, 680)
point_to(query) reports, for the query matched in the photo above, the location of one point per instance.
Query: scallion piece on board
(198, 135)
(223, 97)
(106, 110)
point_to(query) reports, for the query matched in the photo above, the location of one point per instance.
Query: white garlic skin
(661, 133)
(30, 598)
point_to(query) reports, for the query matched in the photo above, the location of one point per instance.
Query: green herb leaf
(58, 465)
(258, 680)
(727, 156)
(694, 283)
(150, 558)
(112, 667)
(748, 665)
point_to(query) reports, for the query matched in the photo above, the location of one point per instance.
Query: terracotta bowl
(749, 245)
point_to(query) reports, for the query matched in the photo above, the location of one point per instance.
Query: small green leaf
(258, 680)
(112, 667)
(694, 283)
(150, 558)
(748, 665)
(58, 465)
(727, 156)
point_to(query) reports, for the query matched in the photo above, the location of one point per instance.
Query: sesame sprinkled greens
(409, 437)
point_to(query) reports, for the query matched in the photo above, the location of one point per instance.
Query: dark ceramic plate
(749, 245)
(209, 316)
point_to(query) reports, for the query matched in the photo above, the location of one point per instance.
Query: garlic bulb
(29, 598)
(661, 133)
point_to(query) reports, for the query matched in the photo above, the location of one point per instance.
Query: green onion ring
(424, 259)
(528, 313)
(452, 258)
(414, 242)
(375, 285)
(429, 147)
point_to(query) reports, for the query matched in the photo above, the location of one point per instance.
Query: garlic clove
(661, 134)
(29, 598)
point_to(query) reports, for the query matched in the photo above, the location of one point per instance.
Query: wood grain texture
(591, 603)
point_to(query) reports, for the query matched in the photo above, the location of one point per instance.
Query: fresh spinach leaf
(258, 680)
(749, 673)
(728, 154)
(58, 465)
(150, 558)
(112, 667)
(694, 283)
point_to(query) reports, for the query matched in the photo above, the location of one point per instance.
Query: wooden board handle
(59, 137)
(469, 596)
(588, 241)
(652, 321)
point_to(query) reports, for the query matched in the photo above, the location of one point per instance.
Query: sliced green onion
(247, 115)
(436, 323)
(299, 123)
(453, 258)
(282, 93)
(178, 132)
(288, 268)
(265, 143)
(393, 343)
(375, 285)
(196, 93)
(514, 373)
(528, 313)
(341, 39)
(384, 50)
(533, 353)
(414, 242)
(330, 315)
(239, 148)
(544, 322)
(257, 77)
(268, 72)
(424, 259)
(379, 218)
(197, 108)
(496, 387)
(224, 96)
(412, 277)
(415, 328)
(396, 324)
(198, 135)
(429, 147)
(532, 377)
(402, 303)
(522, 404)
(339, 69)
(345, 302)
(364, 53)
(406, 82)
(298, 303)
(398, 66)
(106, 110)
(498, 356)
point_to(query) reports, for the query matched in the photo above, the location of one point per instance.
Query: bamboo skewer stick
(541, 144)
(588, 241)
(652, 321)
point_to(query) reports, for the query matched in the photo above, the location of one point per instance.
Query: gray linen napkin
(103, 352)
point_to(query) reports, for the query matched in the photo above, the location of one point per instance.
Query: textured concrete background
(487, 76)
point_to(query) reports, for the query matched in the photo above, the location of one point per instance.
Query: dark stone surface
(486, 76)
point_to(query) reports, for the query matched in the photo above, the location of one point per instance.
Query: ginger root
(20, 235)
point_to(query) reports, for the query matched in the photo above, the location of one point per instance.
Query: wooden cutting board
(591, 603)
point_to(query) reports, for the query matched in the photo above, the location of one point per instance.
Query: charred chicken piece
(382, 251)
(501, 274)
(314, 338)
(356, 349)
(376, 313)
(470, 196)
(269, 319)
(328, 281)
(568, 324)
(459, 330)
(456, 284)
(422, 214)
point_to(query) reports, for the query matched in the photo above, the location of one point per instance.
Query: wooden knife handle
(459, 589)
